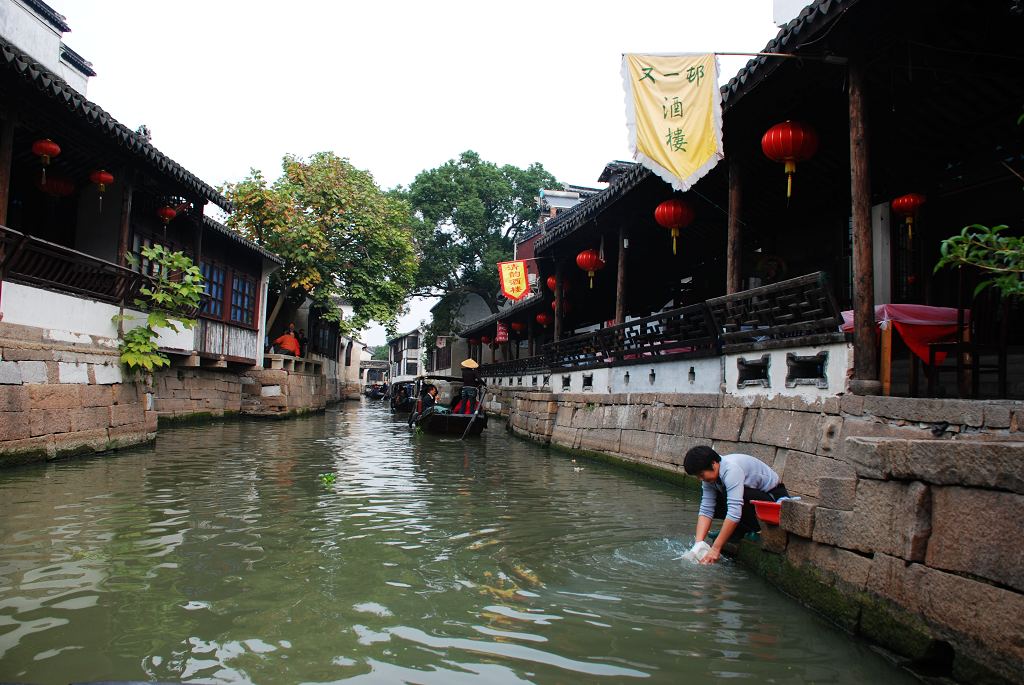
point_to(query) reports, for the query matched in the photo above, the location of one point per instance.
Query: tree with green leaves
(341, 236)
(472, 214)
(999, 257)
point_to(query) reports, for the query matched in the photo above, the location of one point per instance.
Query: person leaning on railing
(287, 343)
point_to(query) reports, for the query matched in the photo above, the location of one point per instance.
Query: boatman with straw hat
(470, 376)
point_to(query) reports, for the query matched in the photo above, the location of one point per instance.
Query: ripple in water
(221, 556)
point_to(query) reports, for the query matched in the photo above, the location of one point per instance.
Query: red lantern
(790, 142)
(57, 186)
(45, 149)
(907, 206)
(566, 307)
(551, 281)
(485, 339)
(590, 261)
(544, 319)
(102, 179)
(474, 341)
(674, 214)
(517, 326)
(166, 214)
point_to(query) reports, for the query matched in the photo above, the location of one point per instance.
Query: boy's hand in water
(711, 557)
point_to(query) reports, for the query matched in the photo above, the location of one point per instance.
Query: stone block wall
(911, 513)
(181, 393)
(279, 392)
(67, 396)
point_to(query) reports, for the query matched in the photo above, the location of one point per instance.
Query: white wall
(840, 361)
(38, 38)
(74, 319)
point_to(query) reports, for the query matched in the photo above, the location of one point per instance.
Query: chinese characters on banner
(514, 284)
(674, 115)
(501, 336)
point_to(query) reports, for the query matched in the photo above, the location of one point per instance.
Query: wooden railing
(516, 367)
(676, 334)
(801, 308)
(797, 312)
(36, 262)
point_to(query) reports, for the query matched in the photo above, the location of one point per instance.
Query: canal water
(222, 555)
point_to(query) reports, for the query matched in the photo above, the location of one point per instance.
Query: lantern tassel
(675, 235)
(789, 187)
(591, 274)
(44, 175)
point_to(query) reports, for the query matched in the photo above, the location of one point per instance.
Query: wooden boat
(440, 419)
(403, 397)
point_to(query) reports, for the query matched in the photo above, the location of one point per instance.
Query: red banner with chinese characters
(501, 336)
(514, 283)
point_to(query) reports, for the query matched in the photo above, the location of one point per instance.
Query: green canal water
(221, 556)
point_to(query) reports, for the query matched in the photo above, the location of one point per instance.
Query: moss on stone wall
(168, 420)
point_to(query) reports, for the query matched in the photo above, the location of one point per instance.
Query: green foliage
(327, 479)
(1000, 257)
(380, 353)
(169, 300)
(341, 237)
(472, 212)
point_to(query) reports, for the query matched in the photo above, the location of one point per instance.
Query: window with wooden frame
(214, 276)
(243, 300)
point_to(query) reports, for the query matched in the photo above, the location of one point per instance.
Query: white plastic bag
(697, 552)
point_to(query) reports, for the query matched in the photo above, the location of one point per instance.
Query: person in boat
(728, 485)
(470, 375)
(429, 397)
(467, 403)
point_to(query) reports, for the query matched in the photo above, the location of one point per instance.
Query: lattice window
(243, 300)
(213, 280)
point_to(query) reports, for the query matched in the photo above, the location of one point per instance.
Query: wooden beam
(126, 219)
(531, 343)
(734, 249)
(6, 153)
(559, 279)
(865, 361)
(620, 278)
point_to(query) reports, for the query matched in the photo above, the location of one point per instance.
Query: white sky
(397, 87)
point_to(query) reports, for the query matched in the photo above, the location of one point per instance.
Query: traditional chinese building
(812, 331)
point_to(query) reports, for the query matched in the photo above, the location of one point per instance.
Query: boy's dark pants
(748, 518)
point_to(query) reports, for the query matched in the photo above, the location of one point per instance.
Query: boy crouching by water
(728, 484)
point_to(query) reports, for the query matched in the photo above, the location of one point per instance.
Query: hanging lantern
(485, 339)
(589, 261)
(544, 319)
(102, 179)
(45, 149)
(552, 283)
(674, 215)
(57, 186)
(790, 142)
(517, 326)
(907, 206)
(566, 307)
(166, 214)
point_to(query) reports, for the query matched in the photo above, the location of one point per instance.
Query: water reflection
(221, 556)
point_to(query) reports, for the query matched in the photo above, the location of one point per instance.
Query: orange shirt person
(289, 343)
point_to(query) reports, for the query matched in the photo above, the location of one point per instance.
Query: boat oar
(470, 424)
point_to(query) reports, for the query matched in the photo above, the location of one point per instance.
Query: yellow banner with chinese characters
(674, 115)
(514, 283)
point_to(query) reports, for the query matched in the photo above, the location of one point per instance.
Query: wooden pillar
(865, 361)
(531, 344)
(620, 278)
(559, 279)
(126, 220)
(6, 153)
(734, 248)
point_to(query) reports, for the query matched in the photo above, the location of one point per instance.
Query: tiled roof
(526, 303)
(627, 175)
(63, 95)
(52, 16)
(224, 230)
(80, 63)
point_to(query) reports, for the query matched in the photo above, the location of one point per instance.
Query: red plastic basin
(767, 511)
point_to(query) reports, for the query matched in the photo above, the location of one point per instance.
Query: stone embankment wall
(190, 394)
(278, 393)
(63, 395)
(908, 531)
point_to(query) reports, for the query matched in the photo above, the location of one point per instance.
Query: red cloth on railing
(917, 324)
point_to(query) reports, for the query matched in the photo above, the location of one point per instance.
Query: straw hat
(469, 364)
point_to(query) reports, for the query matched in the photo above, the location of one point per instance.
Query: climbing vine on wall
(170, 300)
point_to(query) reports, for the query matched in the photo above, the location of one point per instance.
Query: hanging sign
(674, 115)
(441, 342)
(514, 283)
(501, 336)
